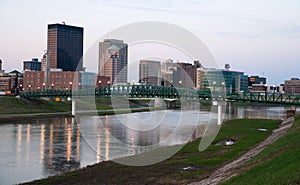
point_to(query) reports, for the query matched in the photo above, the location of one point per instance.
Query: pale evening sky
(259, 37)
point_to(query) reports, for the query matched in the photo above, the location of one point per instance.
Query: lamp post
(108, 83)
(223, 85)
(223, 89)
(180, 82)
(52, 86)
(44, 86)
(70, 83)
(214, 86)
(99, 83)
(266, 96)
(29, 87)
(21, 87)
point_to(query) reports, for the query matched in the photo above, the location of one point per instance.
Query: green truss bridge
(147, 91)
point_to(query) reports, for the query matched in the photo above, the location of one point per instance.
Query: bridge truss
(147, 91)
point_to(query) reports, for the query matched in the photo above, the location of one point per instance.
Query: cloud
(240, 35)
(175, 6)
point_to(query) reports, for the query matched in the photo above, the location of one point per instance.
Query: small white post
(73, 107)
(219, 114)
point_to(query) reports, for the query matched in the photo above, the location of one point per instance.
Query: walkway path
(230, 170)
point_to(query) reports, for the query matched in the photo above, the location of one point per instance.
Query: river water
(40, 148)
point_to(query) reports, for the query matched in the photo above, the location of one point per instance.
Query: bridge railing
(132, 91)
(265, 97)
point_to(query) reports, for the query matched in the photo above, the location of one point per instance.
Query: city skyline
(259, 38)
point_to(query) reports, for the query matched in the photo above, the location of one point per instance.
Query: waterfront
(51, 146)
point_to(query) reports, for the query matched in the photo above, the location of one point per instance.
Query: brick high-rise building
(65, 47)
(113, 57)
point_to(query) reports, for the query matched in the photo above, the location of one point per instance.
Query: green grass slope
(12, 105)
(278, 164)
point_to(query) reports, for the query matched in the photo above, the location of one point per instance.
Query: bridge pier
(158, 102)
(291, 112)
(219, 112)
(73, 107)
(171, 104)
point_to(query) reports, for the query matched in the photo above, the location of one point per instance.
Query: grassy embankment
(16, 108)
(243, 131)
(12, 105)
(279, 163)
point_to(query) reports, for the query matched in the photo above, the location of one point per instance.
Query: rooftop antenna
(227, 66)
(64, 23)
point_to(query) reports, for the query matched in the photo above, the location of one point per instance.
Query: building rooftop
(113, 47)
(113, 40)
(57, 25)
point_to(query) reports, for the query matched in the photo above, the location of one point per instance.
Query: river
(44, 147)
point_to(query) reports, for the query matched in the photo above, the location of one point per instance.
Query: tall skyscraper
(150, 72)
(65, 47)
(113, 57)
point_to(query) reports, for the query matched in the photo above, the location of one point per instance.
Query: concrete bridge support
(291, 112)
(158, 102)
(219, 112)
(171, 104)
(73, 107)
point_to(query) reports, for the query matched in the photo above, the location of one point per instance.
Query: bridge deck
(168, 93)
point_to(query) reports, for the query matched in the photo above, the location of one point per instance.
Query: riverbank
(13, 105)
(276, 164)
(14, 109)
(186, 166)
(235, 167)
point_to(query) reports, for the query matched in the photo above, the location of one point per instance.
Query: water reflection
(277, 113)
(41, 148)
(61, 148)
(36, 149)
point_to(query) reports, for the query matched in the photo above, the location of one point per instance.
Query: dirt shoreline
(233, 168)
(8, 118)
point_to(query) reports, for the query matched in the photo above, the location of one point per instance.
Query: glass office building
(220, 79)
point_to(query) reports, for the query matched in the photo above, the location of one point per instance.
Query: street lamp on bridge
(180, 82)
(70, 83)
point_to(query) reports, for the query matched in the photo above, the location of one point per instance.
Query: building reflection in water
(264, 112)
(58, 142)
(62, 147)
(42, 143)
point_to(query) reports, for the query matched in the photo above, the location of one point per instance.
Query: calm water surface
(40, 148)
